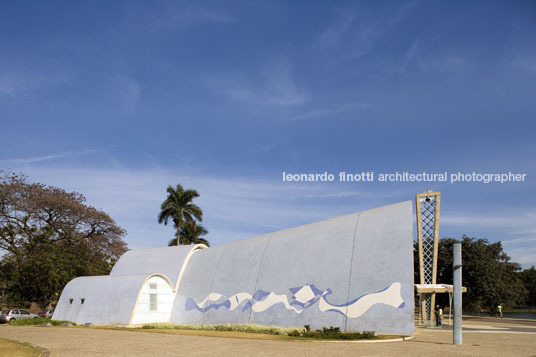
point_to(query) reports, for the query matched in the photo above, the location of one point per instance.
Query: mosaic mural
(302, 298)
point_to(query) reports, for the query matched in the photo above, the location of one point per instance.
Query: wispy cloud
(525, 239)
(333, 34)
(447, 63)
(275, 88)
(342, 194)
(355, 32)
(176, 15)
(525, 63)
(522, 254)
(238, 208)
(244, 207)
(189, 16)
(18, 80)
(419, 58)
(16, 85)
(323, 113)
(35, 159)
(488, 219)
(269, 147)
(517, 230)
(412, 50)
(13, 86)
(317, 113)
(345, 40)
(126, 91)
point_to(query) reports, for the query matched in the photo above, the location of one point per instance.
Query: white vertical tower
(427, 205)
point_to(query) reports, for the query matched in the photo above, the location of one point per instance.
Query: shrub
(335, 333)
(251, 328)
(326, 332)
(38, 321)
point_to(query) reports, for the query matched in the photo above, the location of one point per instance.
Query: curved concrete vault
(354, 271)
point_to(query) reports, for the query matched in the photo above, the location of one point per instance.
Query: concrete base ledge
(407, 338)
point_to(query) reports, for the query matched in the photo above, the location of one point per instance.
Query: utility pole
(457, 292)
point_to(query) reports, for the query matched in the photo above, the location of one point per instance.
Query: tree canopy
(528, 277)
(179, 207)
(50, 236)
(489, 275)
(191, 234)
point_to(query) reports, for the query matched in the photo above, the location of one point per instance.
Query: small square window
(82, 301)
(71, 301)
(153, 306)
(152, 286)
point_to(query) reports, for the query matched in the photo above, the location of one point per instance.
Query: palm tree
(191, 234)
(179, 207)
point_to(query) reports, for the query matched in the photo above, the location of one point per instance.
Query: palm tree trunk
(178, 225)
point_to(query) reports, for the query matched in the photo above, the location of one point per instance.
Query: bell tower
(427, 206)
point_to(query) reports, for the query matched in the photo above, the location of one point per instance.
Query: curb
(513, 319)
(44, 351)
(401, 339)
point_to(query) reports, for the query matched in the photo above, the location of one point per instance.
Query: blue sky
(118, 100)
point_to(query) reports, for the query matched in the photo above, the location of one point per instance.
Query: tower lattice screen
(428, 229)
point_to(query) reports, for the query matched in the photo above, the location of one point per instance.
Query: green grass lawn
(17, 349)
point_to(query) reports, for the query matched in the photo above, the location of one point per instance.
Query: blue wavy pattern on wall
(303, 297)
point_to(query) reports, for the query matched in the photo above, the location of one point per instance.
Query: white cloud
(524, 255)
(275, 89)
(417, 58)
(126, 92)
(488, 220)
(322, 113)
(318, 113)
(18, 78)
(189, 16)
(332, 35)
(340, 194)
(523, 239)
(448, 63)
(356, 31)
(35, 159)
(175, 15)
(412, 50)
(281, 91)
(240, 206)
(517, 229)
(13, 86)
(525, 63)
(16, 84)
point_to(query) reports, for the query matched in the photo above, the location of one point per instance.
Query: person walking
(499, 311)
(438, 314)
